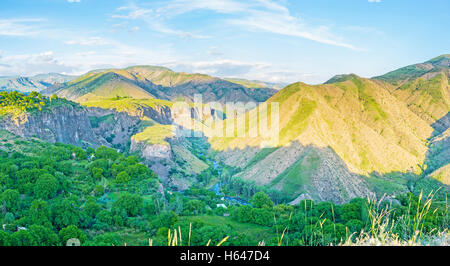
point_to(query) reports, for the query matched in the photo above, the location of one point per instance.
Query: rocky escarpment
(66, 123)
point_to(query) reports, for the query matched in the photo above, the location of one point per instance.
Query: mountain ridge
(156, 82)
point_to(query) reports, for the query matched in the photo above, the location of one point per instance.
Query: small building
(221, 205)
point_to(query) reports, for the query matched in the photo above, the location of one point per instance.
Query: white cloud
(30, 64)
(221, 68)
(154, 20)
(134, 29)
(91, 41)
(214, 51)
(85, 54)
(374, 1)
(74, 1)
(20, 27)
(243, 69)
(117, 55)
(253, 15)
(134, 14)
(290, 26)
(368, 30)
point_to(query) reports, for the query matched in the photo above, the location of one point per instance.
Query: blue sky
(277, 41)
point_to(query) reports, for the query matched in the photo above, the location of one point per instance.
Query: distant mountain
(34, 83)
(143, 82)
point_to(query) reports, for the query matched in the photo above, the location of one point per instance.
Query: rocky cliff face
(151, 151)
(65, 123)
(115, 127)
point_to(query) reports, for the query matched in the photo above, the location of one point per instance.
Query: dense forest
(50, 193)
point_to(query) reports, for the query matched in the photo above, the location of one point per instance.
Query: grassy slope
(155, 134)
(423, 87)
(128, 105)
(429, 98)
(442, 174)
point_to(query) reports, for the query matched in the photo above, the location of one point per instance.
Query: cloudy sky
(271, 40)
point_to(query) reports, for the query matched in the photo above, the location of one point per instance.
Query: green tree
(91, 207)
(335, 232)
(103, 152)
(71, 231)
(64, 213)
(351, 211)
(261, 200)
(242, 214)
(43, 236)
(262, 217)
(97, 173)
(107, 239)
(195, 207)
(166, 219)
(105, 216)
(10, 199)
(5, 239)
(46, 186)
(355, 226)
(22, 238)
(39, 212)
(80, 154)
(123, 177)
(130, 203)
